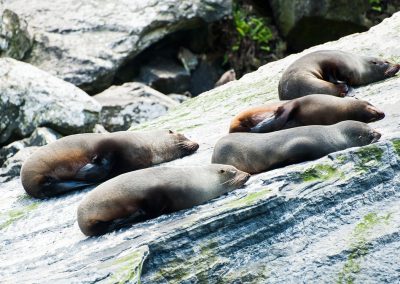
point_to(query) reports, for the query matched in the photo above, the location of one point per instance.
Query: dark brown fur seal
(76, 161)
(332, 72)
(148, 193)
(255, 153)
(308, 110)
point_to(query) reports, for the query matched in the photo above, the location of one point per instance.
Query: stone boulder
(86, 42)
(31, 98)
(41, 136)
(333, 220)
(131, 103)
(305, 23)
(15, 40)
(12, 166)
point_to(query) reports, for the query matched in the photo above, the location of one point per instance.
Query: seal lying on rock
(308, 110)
(77, 161)
(255, 153)
(148, 193)
(331, 72)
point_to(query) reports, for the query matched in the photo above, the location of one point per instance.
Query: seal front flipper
(53, 187)
(277, 121)
(99, 169)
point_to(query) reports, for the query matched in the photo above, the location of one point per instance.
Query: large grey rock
(31, 97)
(41, 136)
(85, 42)
(131, 103)
(165, 75)
(333, 220)
(15, 40)
(305, 23)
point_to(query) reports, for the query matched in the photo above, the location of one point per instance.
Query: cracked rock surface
(85, 42)
(336, 219)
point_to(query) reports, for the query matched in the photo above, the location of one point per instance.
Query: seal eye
(221, 171)
(170, 131)
(374, 62)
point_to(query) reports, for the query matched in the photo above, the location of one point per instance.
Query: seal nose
(376, 136)
(392, 70)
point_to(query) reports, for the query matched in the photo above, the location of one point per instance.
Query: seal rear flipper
(95, 171)
(58, 187)
(98, 228)
(275, 122)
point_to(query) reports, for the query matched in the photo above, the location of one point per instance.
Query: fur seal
(77, 161)
(148, 193)
(255, 153)
(332, 72)
(309, 110)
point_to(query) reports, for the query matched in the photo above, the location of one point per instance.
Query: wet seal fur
(148, 193)
(255, 153)
(332, 72)
(313, 109)
(77, 161)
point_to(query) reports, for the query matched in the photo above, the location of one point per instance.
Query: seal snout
(375, 136)
(392, 70)
(190, 147)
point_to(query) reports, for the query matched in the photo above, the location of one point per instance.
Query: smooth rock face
(15, 41)
(86, 42)
(131, 103)
(334, 220)
(307, 23)
(31, 98)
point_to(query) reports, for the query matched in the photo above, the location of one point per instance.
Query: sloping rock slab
(31, 98)
(86, 42)
(336, 219)
(131, 103)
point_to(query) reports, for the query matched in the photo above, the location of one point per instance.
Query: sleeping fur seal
(332, 72)
(309, 110)
(148, 193)
(77, 161)
(255, 153)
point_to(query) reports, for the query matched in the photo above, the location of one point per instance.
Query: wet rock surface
(32, 98)
(131, 103)
(86, 42)
(335, 219)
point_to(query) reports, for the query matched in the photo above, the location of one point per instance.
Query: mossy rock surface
(316, 222)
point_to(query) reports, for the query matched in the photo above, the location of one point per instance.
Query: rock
(15, 40)
(306, 23)
(204, 76)
(188, 59)
(12, 167)
(41, 136)
(111, 33)
(165, 75)
(227, 77)
(179, 98)
(131, 103)
(335, 219)
(98, 128)
(31, 98)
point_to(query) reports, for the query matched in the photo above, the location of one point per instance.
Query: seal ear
(277, 121)
(170, 131)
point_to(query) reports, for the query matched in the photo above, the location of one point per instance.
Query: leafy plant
(376, 5)
(251, 27)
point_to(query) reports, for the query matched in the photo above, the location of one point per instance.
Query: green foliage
(376, 5)
(252, 28)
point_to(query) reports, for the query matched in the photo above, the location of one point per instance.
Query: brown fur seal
(148, 193)
(308, 110)
(77, 161)
(255, 153)
(331, 72)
